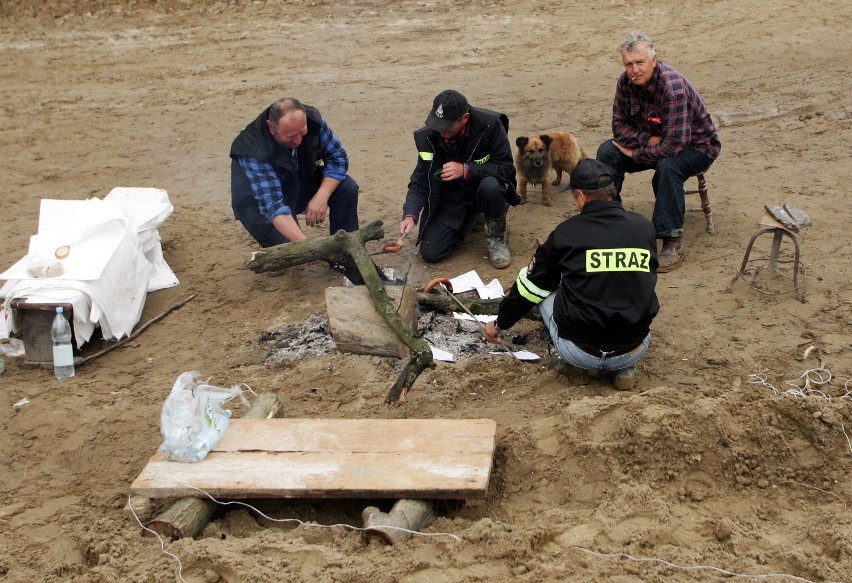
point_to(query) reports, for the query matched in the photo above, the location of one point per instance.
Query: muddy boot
(497, 237)
(625, 379)
(671, 255)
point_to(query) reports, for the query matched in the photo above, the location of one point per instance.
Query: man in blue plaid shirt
(660, 123)
(288, 162)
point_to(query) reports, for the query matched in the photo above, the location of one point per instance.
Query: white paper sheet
(521, 354)
(442, 355)
(466, 282)
(481, 318)
(492, 291)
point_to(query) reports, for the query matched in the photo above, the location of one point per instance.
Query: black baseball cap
(447, 108)
(589, 174)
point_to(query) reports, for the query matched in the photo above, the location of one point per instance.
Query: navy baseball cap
(447, 108)
(589, 174)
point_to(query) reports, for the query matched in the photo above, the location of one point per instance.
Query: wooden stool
(778, 233)
(705, 202)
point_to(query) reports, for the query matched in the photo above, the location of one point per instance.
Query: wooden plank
(359, 435)
(334, 458)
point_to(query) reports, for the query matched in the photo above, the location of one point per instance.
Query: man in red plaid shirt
(659, 123)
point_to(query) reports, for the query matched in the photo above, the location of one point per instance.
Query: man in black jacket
(464, 166)
(288, 162)
(593, 281)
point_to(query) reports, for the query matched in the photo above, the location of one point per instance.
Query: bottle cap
(59, 309)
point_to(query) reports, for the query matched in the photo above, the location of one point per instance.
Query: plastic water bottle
(63, 352)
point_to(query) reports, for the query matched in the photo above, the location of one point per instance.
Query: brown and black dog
(536, 157)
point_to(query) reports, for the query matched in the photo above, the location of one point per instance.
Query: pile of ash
(295, 341)
(461, 338)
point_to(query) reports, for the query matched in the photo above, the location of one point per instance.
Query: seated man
(287, 162)
(593, 281)
(464, 166)
(659, 122)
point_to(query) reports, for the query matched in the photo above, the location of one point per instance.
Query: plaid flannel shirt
(668, 107)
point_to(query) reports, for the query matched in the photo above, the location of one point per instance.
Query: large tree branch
(347, 249)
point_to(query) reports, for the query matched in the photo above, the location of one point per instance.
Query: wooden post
(187, 516)
(411, 515)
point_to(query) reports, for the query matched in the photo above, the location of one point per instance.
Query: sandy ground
(699, 467)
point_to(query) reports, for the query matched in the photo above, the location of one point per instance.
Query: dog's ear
(521, 142)
(546, 139)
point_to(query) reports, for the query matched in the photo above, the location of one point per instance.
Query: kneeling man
(593, 281)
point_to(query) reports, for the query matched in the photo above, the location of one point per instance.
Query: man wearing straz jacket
(593, 281)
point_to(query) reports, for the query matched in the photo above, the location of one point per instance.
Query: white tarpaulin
(102, 256)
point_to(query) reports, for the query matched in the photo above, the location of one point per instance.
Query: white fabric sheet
(113, 259)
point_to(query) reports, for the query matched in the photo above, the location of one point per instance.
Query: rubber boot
(497, 237)
(671, 254)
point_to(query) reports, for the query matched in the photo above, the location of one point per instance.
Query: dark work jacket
(255, 141)
(602, 264)
(485, 148)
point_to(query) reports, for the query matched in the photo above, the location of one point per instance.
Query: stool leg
(800, 292)
(741, 270)
(705, 202)
(773, 254)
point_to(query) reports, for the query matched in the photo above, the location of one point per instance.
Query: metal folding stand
(778, 233)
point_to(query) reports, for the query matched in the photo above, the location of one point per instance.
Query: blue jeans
(670, 174)
(577, 357)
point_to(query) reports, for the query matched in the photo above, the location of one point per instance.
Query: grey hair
(282, 106)
(632, 42)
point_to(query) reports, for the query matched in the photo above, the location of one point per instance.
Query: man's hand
(492, 333)
(405, 226)
(452, 171)
(624, 150)
(653, 141)
(316, 210)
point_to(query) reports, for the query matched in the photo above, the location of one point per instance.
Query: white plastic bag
(193, 420)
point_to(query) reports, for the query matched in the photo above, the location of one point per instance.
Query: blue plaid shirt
(266, 186)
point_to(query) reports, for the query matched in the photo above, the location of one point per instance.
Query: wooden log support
(141, 507)
(187, 516)
(340, 248)
(410, 515)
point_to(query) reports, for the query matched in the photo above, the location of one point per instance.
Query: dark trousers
(439, 239)
(342, 214)
(670, 174)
